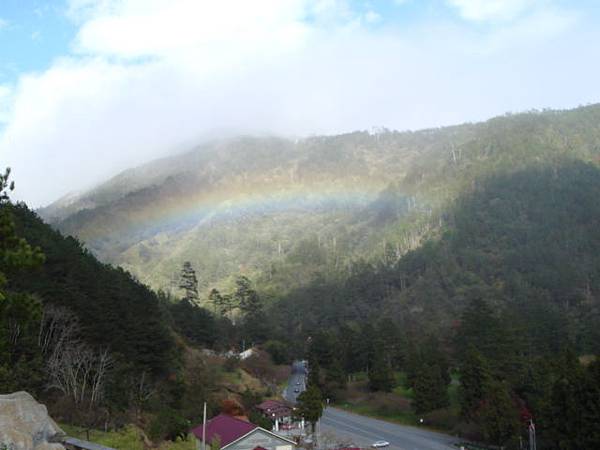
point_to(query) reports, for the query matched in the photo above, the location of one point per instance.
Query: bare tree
(103, 364)
(59, 327)
(74, 368)
(143, 392)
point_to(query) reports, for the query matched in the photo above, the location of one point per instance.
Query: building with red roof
(274, 409)
(237, 434)
(278, 412)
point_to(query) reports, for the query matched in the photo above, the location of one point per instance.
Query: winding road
(297, 381)
(363, 431)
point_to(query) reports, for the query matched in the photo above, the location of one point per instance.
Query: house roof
(274, 408)
(224, 427)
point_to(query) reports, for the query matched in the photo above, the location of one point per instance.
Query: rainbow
(235, 202)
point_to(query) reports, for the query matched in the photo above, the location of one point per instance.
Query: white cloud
(3, 23)
(372, 17)
(161, 28)
(492, 10)
(148, 77)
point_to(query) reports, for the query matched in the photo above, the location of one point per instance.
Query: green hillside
(102, 350)
(458, 268)
(115, 311)
(502, 300)
(527, 242)
(238, 205)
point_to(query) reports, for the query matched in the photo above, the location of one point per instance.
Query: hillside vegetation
(101, 350)
(460, 264)
(239, 205)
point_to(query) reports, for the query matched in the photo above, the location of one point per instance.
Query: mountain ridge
(163, 210)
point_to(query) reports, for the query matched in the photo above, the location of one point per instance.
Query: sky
(91, 87)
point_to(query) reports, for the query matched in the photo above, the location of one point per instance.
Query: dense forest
(506, 296)
(97, 347)
(525, 241)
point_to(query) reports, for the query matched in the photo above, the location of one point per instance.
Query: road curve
(363, 431)
(297, 381)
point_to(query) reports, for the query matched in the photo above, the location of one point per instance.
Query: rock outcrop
(26, 425)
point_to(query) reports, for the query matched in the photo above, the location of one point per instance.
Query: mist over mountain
(241, 205)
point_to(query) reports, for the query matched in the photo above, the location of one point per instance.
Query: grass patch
(401, 417)
(360, 376)
(402, 389)
(390, 406)
(129, 438)
(396, 406)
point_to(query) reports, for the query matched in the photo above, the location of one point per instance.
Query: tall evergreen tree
(246, 297)
(430, 388)
(572, 411)
(188, 282)
(216, 299)
(20, 356)
(310, 405)
(498, 415)
(475, 376)
(335, 379)
(15, 253)
(314, 369)
(381, 376)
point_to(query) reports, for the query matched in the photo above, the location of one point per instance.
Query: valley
(447, 274)
(299, 225)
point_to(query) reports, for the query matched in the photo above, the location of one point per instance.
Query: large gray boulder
(26, 425)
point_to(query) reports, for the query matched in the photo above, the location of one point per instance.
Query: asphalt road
(297, 380)
(363, 431)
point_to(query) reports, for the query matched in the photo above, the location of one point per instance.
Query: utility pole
(204, 428)
(532, 443)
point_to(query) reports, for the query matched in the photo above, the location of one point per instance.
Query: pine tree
(246, 297)
(475, 377)
(20, 356)
(431, 389)
(314, 369)
(572, 411)
(217, 301)
(310, 405)
(335, 378)
(189, 283)
(391, 341)
(381, 376)
(15, 252)
(498, 415)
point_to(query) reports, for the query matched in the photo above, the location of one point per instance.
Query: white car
(380, 444)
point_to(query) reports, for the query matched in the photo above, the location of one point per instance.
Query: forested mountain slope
(115, 311)
(526, 242)
(245, 204)
(102, 350)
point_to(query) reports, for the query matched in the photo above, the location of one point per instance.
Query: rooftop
(225, 428)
